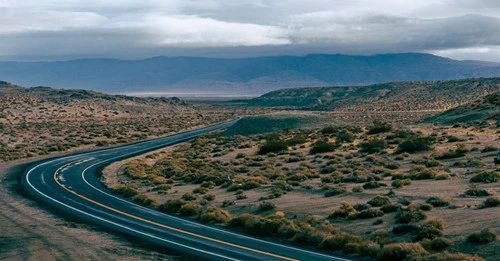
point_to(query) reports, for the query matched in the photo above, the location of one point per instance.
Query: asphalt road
(69, 183)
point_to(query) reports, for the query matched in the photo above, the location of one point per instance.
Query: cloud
(44, 29)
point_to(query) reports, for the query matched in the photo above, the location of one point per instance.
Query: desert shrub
(209, 197)
(399, 183)
(250, 184)
(372, 146)
(451, 154)
(297, 139)
(409, 215)
(335, 191)
(475, 192)
(446, 256)
(425, 207)
(265, 205)
(378, 221)
(438, 202)
(401, 251)
(227, 203)
(436, 244)
(361, 207)
(339, 240)
(215, 215)
(389, 208)
(200, 190)
(171, 206)
(357, 189)
(397, 175)
(144, 200)
(379, 126)
(405, 229)
(188, 197)
(427, 231)
(372, 185)
(274, 145)
(370, 213)
(486, 177)
(322, 146)
(125, 191)
(379, 201)
(414, 144)
(485, 236)
(344, 136)
(437, 223)
(240, 155)
(490, 203)
(328, 130)
(346, 209)
(424, 174)
(489, 149)
(190, 209)
(208, 184)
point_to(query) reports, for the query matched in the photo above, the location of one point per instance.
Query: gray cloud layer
(59, 29)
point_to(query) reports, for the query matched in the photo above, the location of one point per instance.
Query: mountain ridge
(255, 76)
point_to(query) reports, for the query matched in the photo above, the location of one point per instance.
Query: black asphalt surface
(70, 184)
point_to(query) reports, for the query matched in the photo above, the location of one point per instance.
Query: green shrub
(409, 215)
(357, 189)
(339, 241)
(370, 213)
(297, 139)
(489, 149)
(188, 197)
(329, 130)
(438, 202)
(379, 127)
(424, 174)
(379, 201)
(437, 244)
(264, 206)
(125, 191)
(274, 145)
(372, 146)
(215, 215)
(144, 200)
(344, 136)
(346, 209)
(322, 146)
(415, 144)
(485, 236)
(425, 207)
(190, 209)
(486, 177)
(401, 251)
(389, 208)
(490, 203)
(427, 231)
(442, 176)
(475, 192)
(171, 206)
(399, 183)
(200, 190)
(335, 191)
(209, 197)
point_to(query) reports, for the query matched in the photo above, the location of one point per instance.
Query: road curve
(69, 183)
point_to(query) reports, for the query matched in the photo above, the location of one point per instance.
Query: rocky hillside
(485, 109)
(394, 96)
(37, 121)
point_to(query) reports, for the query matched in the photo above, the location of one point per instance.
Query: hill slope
(395, 96)
(240, 76)
(487, 108)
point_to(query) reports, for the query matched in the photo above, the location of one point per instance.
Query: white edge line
(119, 225)
(198, 224)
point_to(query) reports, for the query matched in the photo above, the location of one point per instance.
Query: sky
(136, 29)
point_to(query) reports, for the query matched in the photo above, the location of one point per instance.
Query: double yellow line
(162, 225)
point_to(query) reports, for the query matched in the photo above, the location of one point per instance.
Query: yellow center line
(165, 226)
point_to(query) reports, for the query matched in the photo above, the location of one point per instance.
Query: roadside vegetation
(379, 191)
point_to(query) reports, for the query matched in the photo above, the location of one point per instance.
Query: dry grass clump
(446, 256)
(215, 215)
(401, 251)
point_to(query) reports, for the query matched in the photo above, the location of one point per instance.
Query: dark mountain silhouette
(240, 76)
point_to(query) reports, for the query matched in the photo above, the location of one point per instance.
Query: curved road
(69, 184)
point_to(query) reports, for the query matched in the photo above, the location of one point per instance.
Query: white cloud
(130, 28)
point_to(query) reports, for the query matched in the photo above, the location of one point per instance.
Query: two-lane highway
(69, 183)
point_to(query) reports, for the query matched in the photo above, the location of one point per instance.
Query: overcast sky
(126, 29)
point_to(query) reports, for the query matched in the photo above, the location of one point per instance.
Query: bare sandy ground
(30, 231)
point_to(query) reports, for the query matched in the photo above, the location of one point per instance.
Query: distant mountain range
(250, 76)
